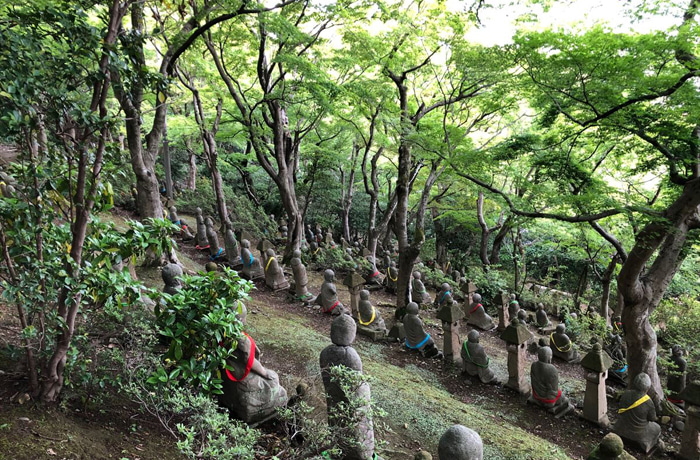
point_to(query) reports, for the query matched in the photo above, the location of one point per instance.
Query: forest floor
(421, 397)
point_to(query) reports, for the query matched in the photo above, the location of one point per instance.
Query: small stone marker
(460, 443)
(610, 448)
(501, 302)
(450, 313)
(516, 336)
(595, 403)
(354, 283)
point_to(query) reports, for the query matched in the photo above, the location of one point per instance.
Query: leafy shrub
(199, 322)
(202, 429)
(678, 322)
(335, 259)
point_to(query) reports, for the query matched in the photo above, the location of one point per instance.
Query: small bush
(678, 322)
(199, 322)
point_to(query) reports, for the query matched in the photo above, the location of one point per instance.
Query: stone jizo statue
(328, 298)
(251, 392)
(476, 315)
(274, 275)
(541, 318)
(416, 337)
(676, 375)
(460, 443)
(184, 229)
(636, 422)
(359, 445)
(545, 385)
(368, 316)
(202, 241)
(373, 277)
(215, 251)
(392, 276)
(445, 289)
(562, 346)
(513, 307)
(301, 280)
(232, 252)
(171, 275)
(474, 359)
(419, 293)
(251, 266)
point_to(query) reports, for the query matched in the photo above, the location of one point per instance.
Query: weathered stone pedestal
(501, 302)
(595, 403)
(354, 282)
(450, 314)
(516, 336)
(690, 444)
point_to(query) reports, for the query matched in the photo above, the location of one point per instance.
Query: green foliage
(202, 429)
(337, 260)
(679, 323)
(244, 214)
(199, 322)
(308, 433)
(583, 329)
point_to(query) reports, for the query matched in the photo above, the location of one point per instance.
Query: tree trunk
(191, 170)
(91, 151)
(643, 289)
(498, 241)
(606, 281)
(440, 238)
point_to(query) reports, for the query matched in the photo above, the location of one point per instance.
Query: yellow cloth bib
(637, 403)
(359, 318)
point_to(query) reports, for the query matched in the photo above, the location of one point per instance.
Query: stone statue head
(473, 336)
(296, 254)
(171, 274)
(445, 286)
(561, 329)
(544, 355)
(460, 443)
(198, 211)
(512, 297)
(343, 330)
(676, 350)
(313, 245)
(540, 306)
(611, 446)
(211, 267)
(412, 308)
(543, 342)
(329, 275)
(284, 229)
(270, 253)
(417, 275)
(364, 294)
(209, 222)
(392, 264)
(245, 244)
(173, 209)
(641, 383)
(522, 315)
(476, 298)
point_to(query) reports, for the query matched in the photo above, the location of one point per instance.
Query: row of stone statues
(636, 422)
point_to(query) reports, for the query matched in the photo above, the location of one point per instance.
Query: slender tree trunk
(498, 241)
(440, 238)
(606, 281)
(191, 183)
